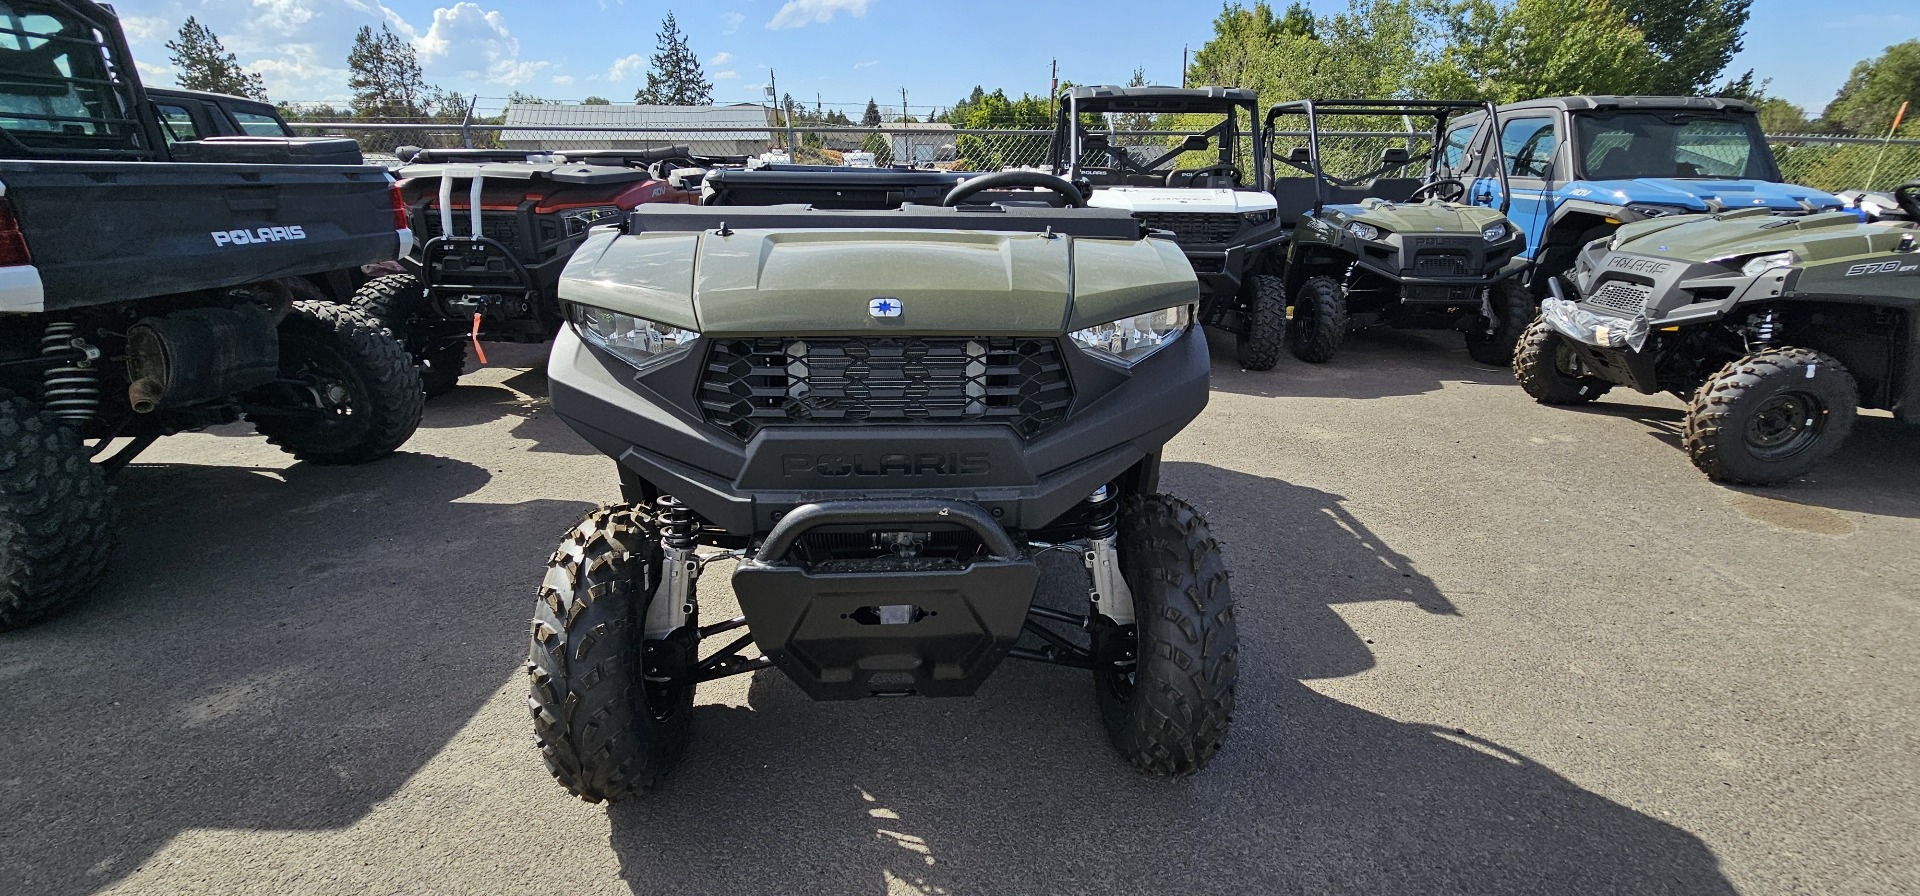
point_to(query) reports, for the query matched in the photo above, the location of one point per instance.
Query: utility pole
(1053, 93)
(906, 137)
(773, 95)
(1183, 68)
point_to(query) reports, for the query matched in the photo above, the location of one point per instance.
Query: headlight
(577, 220)
(635, 340)
(1655, 211)
(1364, 231)
(1762, 263)
(1132, 338)
(1260, 217)
(1494, 233)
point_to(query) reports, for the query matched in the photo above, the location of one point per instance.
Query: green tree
(596, 101)
(384, 75)
(1693, 39)
(1874, 91)
(516, 96)
(675, 77)
(1777, 116)
(205, 64)
(1535, 48)
(880, 147)
(871, 118)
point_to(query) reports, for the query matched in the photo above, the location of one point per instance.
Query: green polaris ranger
(1394, 244)
(882, 418)
(1774, 329)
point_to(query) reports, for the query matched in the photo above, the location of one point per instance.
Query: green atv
(1384, 248)
(1774, 329)
(881, 413)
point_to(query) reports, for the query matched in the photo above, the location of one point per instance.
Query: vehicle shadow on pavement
(1373, 363)
(1873, 472)
(283, 649)
(521, 394)
(1017, 790)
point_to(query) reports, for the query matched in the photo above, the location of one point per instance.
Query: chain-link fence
(1823, 162)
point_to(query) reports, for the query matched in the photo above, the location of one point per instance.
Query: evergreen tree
(205, 64)
(384, 75)
(872, 117)
(675, 78)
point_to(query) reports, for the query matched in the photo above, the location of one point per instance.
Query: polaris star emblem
(884, 307)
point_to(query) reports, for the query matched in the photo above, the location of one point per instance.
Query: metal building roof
(678, 124)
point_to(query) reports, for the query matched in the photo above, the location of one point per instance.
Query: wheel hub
(1785, 425)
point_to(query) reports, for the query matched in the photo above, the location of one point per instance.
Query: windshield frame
(1769, 167)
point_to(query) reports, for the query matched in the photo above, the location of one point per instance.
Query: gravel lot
(1488, 647)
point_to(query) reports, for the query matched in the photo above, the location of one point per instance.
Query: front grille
(752, 383)
(1444, 264)
(1618, 295)
(1193, 227)
(501, 226)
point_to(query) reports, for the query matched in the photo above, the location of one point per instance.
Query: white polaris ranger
(1191, 162)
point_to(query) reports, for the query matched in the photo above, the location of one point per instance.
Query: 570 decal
(1881, 267)
(260, 235)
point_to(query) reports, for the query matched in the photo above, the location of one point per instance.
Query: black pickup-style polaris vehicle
(150, 287)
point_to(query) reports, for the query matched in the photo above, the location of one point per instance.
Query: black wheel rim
(1785, 425)
(331, 393)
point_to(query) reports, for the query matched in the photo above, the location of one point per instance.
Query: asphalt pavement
(1488, 647)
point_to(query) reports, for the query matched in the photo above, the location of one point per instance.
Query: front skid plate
(845, 635)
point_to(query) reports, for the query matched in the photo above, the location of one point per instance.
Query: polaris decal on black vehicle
(970, 463)
(261, 235)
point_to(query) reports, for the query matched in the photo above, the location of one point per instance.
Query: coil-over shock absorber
(70, 389)
(1762, 328)
(672, 607)
(1108, 592)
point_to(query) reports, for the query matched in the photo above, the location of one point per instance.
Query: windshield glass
(1669, 144)
(1143, 148)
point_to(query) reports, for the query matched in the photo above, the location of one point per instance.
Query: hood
(1818, 237)
(1432, 216)
(1178, 199)
(1700, 195)
(820, 282)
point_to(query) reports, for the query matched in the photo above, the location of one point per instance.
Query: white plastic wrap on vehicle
(1579, 324)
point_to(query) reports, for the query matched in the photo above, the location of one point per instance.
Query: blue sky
(844, 51)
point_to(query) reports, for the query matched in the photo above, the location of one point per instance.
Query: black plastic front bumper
(845, 635)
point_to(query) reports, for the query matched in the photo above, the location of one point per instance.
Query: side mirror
(1194, 143)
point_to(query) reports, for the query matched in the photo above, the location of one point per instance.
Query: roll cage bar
(1441, 111)
(1068, 136)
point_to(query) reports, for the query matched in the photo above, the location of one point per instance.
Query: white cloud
(732, 20)
(726, 75)
(141, 28)
(867, 64)
(625, 67)
(721, 58)
(801, 13)
(284, 16)
(562, 80)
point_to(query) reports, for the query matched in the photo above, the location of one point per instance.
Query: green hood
(1813, 238)
(1431, 216)
(819, 282)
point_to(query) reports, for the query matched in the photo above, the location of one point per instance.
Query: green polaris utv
(1774, 329)
(882, 400)
(1396, 243)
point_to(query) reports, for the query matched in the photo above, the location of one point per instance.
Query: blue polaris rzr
(1580, 166)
